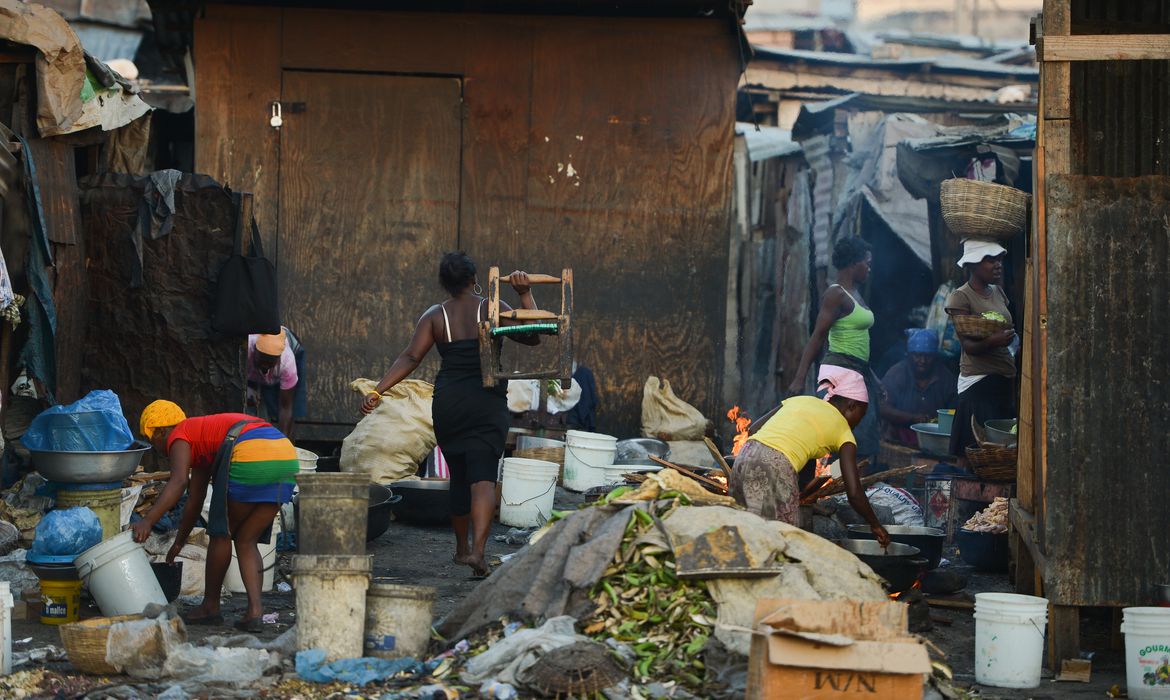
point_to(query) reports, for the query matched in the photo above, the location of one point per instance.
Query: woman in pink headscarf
(799, 430)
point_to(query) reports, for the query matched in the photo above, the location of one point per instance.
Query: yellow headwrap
(271, 344)
(160, 414)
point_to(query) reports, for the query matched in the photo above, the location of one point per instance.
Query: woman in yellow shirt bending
(801, 429)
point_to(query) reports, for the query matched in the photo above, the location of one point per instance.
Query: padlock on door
(276, 120)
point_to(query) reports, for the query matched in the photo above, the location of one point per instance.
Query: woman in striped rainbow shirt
(253, 478)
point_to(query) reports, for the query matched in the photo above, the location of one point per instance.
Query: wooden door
(369, 201)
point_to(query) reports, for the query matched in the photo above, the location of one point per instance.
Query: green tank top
(849, 335)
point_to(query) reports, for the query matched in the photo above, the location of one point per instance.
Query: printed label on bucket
(380, 642)
(1154, 663)
(53, 608)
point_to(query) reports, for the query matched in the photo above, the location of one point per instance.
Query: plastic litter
(14, 569)
(515, 536)
(509, 659)
(93, 424)
(500, 691)
(141, 648)
(67, 532)
(311, 667)
(216, 665)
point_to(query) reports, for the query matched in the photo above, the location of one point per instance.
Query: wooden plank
(400, 42)
(1054, 74)
(1101, 293)
(57, 177)
(359, 245)
(632, 185)
(1064, 634)
(234, 142)
(1104, 47)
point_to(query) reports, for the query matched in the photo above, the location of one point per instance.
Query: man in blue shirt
(917, 387)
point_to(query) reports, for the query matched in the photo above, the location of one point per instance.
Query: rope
(527, 328)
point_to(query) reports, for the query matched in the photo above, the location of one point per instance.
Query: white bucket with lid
(1147, 652)
(527, 491)
(234, 583)
(586, 457)
(1009, 639)
(5, 629)
(119, 576)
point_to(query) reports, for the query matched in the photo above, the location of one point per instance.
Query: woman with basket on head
(844, 321)
(987, 367)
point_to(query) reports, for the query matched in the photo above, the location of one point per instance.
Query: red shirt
(206, 433)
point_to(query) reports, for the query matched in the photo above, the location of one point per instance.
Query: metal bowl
(424, 501)
(88, 467)
(627, 451)
(1000, 432)
(928, 540)
(899, 564)
(931, 440)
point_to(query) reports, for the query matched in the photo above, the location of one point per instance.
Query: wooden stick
(839, 485)
(951, 603)
(697, 477)
(534, 278)
(718, 458)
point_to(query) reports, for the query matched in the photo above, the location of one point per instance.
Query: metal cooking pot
(88, 467)
(899, 564)
(424, 501)
(928, 540)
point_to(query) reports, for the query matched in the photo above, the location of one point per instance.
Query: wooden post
(1064, 634)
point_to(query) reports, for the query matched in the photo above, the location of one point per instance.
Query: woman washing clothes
(844, 320)
(987, 368)
(801, 429)
(471, 421)
(252, 467)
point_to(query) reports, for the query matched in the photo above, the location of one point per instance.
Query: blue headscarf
(922, 340)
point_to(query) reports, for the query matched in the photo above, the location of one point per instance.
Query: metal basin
(88, 467)
(637, 450)
(424, 501)
(899, 564)
(928, 540)
(932, 440)
(1000, 431)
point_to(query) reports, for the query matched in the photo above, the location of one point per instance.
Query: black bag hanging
(245, 296)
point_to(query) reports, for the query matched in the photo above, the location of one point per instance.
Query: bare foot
(464, 559)
(479, 567)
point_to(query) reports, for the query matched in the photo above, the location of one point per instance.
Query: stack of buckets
(338, 609)
(586, 457)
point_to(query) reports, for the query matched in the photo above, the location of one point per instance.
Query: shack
(1090, 518)
(597, 137)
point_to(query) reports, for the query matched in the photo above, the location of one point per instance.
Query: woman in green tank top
(844, 321)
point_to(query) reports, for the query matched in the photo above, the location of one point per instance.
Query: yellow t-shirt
(805, 428)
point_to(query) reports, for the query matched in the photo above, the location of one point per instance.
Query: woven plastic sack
(666, 416)
(390, 443)
(67, 532)
(93, 424)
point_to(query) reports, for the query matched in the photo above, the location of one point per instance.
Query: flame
(742, 422)
(917, 586)
(824, 467)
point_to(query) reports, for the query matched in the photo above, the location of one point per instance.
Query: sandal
(252, 625)
(204, 621)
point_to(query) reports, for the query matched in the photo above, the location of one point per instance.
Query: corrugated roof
(935, 64)
(764, 142)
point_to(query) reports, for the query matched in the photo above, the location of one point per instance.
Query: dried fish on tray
(993, 518)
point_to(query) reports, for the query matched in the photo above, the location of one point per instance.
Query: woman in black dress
(471, 421)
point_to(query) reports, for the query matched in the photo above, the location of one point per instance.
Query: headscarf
(921, 340)
(843, 382)
(159, 414)
(974, 250)
(271, 344)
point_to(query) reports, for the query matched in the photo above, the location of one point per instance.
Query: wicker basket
(976, 209)
(993, 463)
(85, 643)
(977, 327)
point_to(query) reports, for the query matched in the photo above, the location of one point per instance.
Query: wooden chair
(523, 321)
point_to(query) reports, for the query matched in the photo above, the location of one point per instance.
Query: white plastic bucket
(119, 576)
(527, 491)
(398, 620)
(586, 456)
(615, 474)
(307, 460)
(232, 580)
(1147, 651)
(5, 629)
(331, 603)
(1009, 639)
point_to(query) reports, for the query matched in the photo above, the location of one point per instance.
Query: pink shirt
(285, 371)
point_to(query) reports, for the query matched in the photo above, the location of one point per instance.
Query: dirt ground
(422, 555)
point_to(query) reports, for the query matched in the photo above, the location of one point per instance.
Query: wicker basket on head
(976, 209)
(993, 463)
(977, 327)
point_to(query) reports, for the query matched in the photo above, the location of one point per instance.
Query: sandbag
(666, 416)
(389, 443)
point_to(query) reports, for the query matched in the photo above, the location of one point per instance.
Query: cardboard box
(828, 649)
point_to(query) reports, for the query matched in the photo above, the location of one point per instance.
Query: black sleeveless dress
(469, 418)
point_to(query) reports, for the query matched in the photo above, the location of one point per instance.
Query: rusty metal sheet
(1108, 389)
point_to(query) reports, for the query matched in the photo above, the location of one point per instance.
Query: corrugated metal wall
(1121, 109)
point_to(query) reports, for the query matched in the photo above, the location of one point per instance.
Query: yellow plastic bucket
(106, 504)
(60, 602)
